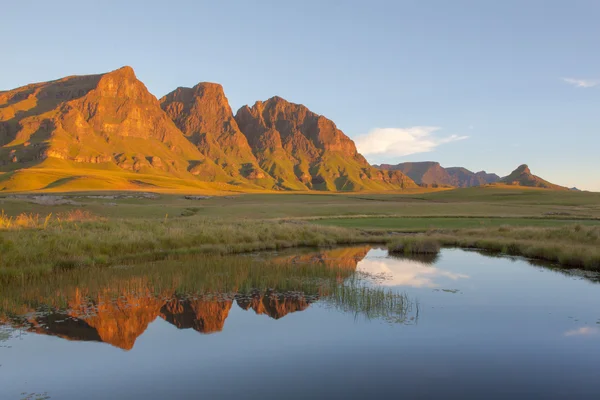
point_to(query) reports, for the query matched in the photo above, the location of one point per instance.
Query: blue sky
(480, 84)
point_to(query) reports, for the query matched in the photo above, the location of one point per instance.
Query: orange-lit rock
(204, 316)
(203, 114)
(306, 150)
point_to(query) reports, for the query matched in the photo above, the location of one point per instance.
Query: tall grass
(373, 302)
(35, 221)
(66, 243)
(574, 246)
(414, 245)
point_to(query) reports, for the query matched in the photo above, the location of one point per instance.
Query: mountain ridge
(431, 173)
(107, 131)
(67, 130)
(307, 151)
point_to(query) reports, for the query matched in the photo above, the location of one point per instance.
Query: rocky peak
(523, 169)
(203, 114)
(522, 176)
(202, 108)
(123, 84)
(307, 150)
(297, 126)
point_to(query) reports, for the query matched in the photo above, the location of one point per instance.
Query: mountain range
(108, 131)
(432, 174)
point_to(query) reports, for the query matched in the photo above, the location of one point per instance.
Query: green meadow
(41, 234)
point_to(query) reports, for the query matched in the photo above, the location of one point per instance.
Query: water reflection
(410, 272)
(320, 324)
(116, 306)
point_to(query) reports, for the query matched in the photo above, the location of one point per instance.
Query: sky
(486, 85)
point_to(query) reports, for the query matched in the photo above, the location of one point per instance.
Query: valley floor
(42, 233)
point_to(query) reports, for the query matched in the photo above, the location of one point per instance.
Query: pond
(343, 323)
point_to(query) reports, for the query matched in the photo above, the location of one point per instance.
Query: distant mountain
(462, 177)
(522, 176)
(107, 131)
(431, 173)
(488, 177)
(303, 150)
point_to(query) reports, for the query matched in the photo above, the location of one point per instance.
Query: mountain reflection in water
(298, 324)
(116, 306)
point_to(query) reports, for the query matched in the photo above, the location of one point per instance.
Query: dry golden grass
(35, 221)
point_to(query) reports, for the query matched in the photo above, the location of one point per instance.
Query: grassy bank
(43, 234)
(41, 245)
(424, 223)
(574, 246)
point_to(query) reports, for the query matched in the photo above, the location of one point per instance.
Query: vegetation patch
(574, 246)
(414, 245)
(42, 245)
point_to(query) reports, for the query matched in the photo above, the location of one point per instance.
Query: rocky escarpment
(107, 119)
(203, 114)
(93, 128)
(304, 150)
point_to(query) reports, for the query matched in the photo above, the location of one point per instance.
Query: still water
(342, 323)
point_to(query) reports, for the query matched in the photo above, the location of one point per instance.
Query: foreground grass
(574, 246)
(59, 244)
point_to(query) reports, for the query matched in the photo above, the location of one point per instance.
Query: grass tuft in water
(414, 245)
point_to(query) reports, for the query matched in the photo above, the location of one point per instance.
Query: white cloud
(403, 272)
(584, 331)
(402, 141)
(582, 83)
